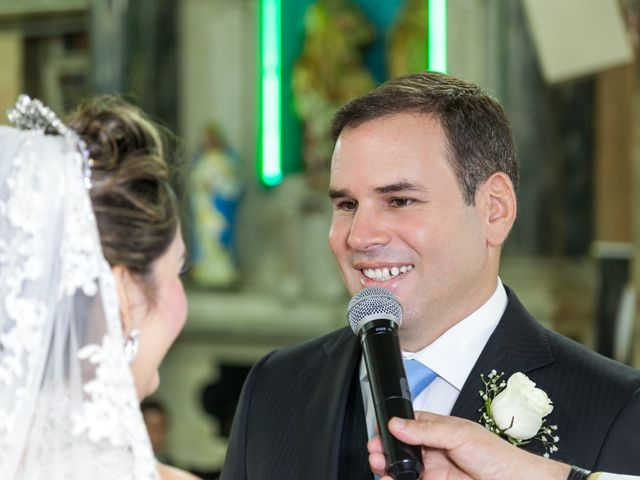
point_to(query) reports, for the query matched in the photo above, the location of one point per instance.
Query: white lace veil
(68, 405)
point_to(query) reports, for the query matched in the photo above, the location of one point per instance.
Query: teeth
(382, 274)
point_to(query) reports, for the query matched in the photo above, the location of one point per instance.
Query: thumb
(422, 431)
(434, 431)
(409, 431)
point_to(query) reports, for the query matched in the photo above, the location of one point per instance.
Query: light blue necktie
(419, 377)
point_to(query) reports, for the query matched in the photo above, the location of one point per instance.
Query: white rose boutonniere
(515, 409)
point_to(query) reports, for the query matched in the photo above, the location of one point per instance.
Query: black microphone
(374, 315)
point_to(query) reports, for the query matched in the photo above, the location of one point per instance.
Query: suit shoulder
(291, 358)
(602, 370)
(559, 359)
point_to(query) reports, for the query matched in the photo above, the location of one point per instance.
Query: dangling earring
(131, 345)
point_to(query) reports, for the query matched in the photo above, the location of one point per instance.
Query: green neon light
(270, 164)
(437, 41)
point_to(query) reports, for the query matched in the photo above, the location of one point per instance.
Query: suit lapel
(518, 344)
(324, 384)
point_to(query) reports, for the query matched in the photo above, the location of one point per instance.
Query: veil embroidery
(68, 405)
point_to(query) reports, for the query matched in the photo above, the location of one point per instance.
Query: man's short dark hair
(476, 127)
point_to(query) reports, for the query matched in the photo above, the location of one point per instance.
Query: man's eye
(401, 202)
(347, 205)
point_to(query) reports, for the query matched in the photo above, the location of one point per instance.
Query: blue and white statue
(216, 187)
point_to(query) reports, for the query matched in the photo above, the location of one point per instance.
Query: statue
(328, 73)
(407, 43)
(215, 189)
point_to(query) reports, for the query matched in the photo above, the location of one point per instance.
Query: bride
(90, 293)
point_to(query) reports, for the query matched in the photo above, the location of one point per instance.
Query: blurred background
(249, 87)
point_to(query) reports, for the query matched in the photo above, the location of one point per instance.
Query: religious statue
(407, 41)
(328, 73)
(215, 189)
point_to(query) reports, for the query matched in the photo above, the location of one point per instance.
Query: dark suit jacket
(288, 424)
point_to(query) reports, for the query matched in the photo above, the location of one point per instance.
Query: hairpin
(31, 114)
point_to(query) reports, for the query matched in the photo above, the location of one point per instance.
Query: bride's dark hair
(132, 195)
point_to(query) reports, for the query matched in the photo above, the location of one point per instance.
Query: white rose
(518, 410)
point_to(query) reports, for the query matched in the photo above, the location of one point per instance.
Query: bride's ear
(131, 296)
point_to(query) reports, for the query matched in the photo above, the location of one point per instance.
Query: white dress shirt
(615, 476)
(451, 356)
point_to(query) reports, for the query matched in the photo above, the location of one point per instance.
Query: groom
(423, 185)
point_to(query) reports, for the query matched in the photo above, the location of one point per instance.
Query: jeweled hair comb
(32, 114)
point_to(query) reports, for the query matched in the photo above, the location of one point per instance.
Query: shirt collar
(454, 353)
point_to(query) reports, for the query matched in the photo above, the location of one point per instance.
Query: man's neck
(420, 334)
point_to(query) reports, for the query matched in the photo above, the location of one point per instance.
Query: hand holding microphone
(374, 315)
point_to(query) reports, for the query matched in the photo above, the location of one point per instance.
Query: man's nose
(367, 230)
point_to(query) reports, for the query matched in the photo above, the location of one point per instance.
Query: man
(423, 182)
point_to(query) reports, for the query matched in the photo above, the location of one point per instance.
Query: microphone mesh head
(373, 303)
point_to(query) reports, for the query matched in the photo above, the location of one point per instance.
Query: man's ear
(130, 294)
(500, 207)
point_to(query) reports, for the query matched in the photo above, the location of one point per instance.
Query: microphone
(375, 315)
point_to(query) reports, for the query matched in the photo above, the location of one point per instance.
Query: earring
(131, 345)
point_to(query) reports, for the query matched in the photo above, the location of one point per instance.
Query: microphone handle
(391, 395)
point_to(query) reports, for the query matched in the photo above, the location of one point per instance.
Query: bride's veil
(68, 406)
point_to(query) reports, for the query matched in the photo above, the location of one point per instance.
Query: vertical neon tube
(437, 41)
(270, 152)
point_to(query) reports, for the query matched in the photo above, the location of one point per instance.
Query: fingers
(375, 445)
(431, 430)
(377, 461)
(427, 430)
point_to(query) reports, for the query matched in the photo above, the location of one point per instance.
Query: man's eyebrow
(337, 194)
(392, 188)
(400, 187)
